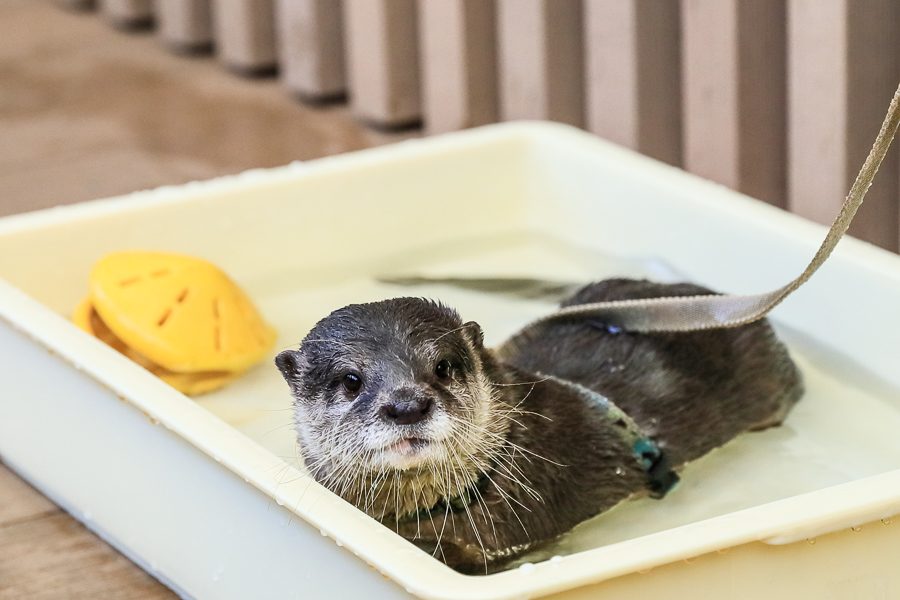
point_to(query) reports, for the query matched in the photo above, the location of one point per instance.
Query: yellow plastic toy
(179, 317)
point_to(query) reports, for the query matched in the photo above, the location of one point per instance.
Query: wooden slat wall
(458, 44)
(76, 4)
(245, 35)
(383, 61)
(843, 69)
(541, 60)
(311, 48)
(128, 13)
(779, 99)
(734, 94)
(633, 74)
(185, 25)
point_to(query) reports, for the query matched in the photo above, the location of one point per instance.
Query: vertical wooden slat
(459, 63)
(733, 66)
(76, 4)
(382, 60)
(185, 25)
(633, 68)
(541, 60)
(311, 47)
(128, 13)
(843, 70)
(245, 35)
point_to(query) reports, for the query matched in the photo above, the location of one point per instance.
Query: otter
(478, 455)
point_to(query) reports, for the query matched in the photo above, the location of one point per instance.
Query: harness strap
(683, 313)
(650, 457)
(695, 313)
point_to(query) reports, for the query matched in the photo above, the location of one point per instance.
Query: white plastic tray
(208, 495)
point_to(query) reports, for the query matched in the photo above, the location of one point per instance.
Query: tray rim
(786, 520)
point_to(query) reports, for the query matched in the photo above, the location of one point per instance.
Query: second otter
(478, 456)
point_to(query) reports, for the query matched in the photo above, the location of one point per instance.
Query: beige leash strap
(694, 313)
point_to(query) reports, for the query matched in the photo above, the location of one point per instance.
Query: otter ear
(474, 333)
(288, 362)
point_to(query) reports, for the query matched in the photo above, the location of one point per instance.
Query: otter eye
(443, 370)
(352, 383)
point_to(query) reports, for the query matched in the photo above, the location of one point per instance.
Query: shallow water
(843, 429)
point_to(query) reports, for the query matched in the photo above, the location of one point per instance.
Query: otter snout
(406, 407)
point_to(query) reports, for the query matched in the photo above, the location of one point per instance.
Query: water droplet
(886, 521)
(620, 471)
(154, 421)
(856, 528)
(279, 501)
(322, 531)
(688, 561)
(526, 568)
(811, 541)
(555, 558)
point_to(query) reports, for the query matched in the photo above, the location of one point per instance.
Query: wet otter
(478, 456)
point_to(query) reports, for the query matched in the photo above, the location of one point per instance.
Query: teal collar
(651, 458)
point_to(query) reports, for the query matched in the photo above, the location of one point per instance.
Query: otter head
(394, 404)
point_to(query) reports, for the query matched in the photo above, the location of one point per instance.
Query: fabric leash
(683, 313)
(695, 313)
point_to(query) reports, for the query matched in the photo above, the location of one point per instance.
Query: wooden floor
(86, 112)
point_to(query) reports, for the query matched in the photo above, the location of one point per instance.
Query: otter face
(393, 404)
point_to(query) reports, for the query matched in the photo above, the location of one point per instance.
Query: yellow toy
(179, 317)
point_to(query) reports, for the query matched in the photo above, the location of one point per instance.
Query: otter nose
(406, 411)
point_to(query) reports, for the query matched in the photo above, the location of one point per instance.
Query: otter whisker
(460, 492)
(505, 470)
(499, 454)
(277, 428)
(534, 382)
(515, 410)
(485, 510)
(397, 500)
(528, 452)
(384, 503)
(504, 495)
(375, 488)
(447, 492)
(503, 441)
(528, 393)
(446, 333)
(440, 534)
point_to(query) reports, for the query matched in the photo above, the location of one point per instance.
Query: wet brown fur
(563, 459)
(691, 392)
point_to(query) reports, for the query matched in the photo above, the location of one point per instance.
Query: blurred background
(779, 99)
